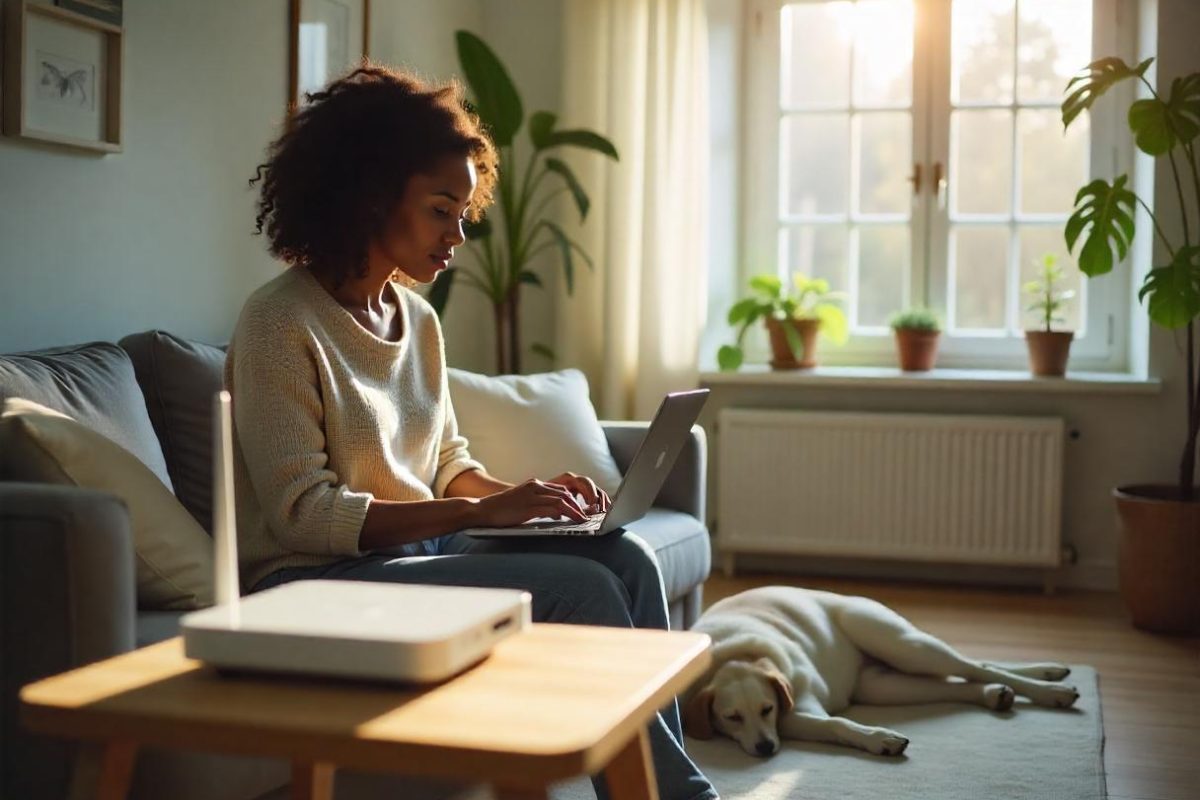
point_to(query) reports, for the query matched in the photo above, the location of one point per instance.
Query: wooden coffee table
(553, 702)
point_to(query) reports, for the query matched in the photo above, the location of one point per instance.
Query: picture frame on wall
(62, 77)
(327, 38)
(109, 11)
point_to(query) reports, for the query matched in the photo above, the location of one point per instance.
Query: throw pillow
(174, 555)
(532, 426)
(179, 378)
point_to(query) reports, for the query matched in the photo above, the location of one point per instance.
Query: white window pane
(1036, 242)
(982, 51)
(816, 149)
(885, 153)
(1054, 41)
(980, 276)
(819, 251)
(1053, 164)
(981, 162)
(815, 57)
(884, 256)
(883, 52)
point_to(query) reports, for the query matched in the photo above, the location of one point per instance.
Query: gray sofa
(67, 586)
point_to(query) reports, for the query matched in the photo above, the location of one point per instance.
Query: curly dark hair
(335, 174)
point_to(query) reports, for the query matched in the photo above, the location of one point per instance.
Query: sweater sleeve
(453, 458)
(278, 418)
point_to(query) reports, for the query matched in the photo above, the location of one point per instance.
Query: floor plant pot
(1158, 558)
(1048, 352)
(781, 354)
(917, 348)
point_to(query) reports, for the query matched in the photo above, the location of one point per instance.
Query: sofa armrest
(684, 489)
(67, 598)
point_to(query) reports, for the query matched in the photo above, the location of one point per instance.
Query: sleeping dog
(786, 661)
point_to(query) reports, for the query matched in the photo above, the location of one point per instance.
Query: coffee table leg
(103, 771)
(630, 774)
(312, 780)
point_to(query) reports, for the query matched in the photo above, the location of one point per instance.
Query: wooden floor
(1149, 685)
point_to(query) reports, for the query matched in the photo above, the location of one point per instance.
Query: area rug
(956, 752)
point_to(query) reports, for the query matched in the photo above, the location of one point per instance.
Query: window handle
(915, 178)
(939, 185)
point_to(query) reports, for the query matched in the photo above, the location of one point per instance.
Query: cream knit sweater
(328, 416)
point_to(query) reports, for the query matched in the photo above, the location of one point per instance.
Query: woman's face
(426, 225)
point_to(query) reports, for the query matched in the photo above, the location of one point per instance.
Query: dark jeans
(612, 580)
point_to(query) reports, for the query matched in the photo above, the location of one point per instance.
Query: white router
(364, 630)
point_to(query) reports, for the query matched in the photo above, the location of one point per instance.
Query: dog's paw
(887, 743)
(998, 696)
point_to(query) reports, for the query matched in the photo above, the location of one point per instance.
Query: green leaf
(477, 230)
(1159, 125)
(529, 277)
(439, 292)
(1106, 213)
(729, 357)
(1100, 76)
(543, 350)
(834, 325)
(1173, 291)
(769, 285)
(565, 245)
(496, 97)
(795, 344)
(540, 125)
(588, 140)
(743, 310)
(581, 199)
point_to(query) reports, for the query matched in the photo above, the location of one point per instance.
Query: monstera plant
(519, 227)
(1159, 546)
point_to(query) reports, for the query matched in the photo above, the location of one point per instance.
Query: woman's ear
(697, 714)
(783, 686)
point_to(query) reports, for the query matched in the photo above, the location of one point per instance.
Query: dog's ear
(783, 686)
(697, 714)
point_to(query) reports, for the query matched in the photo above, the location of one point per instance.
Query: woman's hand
(595, 499)
(525, 501)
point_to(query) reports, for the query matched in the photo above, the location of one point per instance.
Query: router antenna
(225, 562)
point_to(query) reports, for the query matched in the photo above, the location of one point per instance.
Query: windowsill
(988, 380)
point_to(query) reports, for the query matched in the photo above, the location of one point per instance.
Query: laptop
(641, 483)
(359, 630)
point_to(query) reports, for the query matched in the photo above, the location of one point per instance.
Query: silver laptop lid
(654, 458)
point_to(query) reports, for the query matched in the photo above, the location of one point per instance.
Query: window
(912, 153)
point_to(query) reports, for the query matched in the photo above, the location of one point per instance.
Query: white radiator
(917, 487)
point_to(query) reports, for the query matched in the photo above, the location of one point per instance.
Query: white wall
(94, 247)
(1121, 439)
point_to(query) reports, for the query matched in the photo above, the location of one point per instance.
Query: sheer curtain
(636, 71)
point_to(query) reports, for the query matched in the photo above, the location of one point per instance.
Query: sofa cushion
(532, 426)
(93, 384)
(681, 543)
(179, 378)
(174, 556)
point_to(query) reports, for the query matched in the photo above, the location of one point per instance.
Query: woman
(348, 460)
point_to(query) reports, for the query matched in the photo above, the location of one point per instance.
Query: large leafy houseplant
(1159, 543)
(506, 241)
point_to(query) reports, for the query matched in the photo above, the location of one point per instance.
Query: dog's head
(743, 701)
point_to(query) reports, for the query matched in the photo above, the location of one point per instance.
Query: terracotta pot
(1158, 558)
(1048, 352)
(918, 349)
(782, 355)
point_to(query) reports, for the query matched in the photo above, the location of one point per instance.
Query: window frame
(1105, 343)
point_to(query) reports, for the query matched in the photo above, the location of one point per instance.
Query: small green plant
(809, 299)
(915, 319)
(1048, 299)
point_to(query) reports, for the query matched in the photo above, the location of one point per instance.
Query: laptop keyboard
(592, 523)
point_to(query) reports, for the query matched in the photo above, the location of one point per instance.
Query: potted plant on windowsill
(1048, 349)
(1158, 549)
(793, 320)
(917, 331)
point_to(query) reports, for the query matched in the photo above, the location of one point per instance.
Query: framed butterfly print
(327, 38)
(62, 77)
